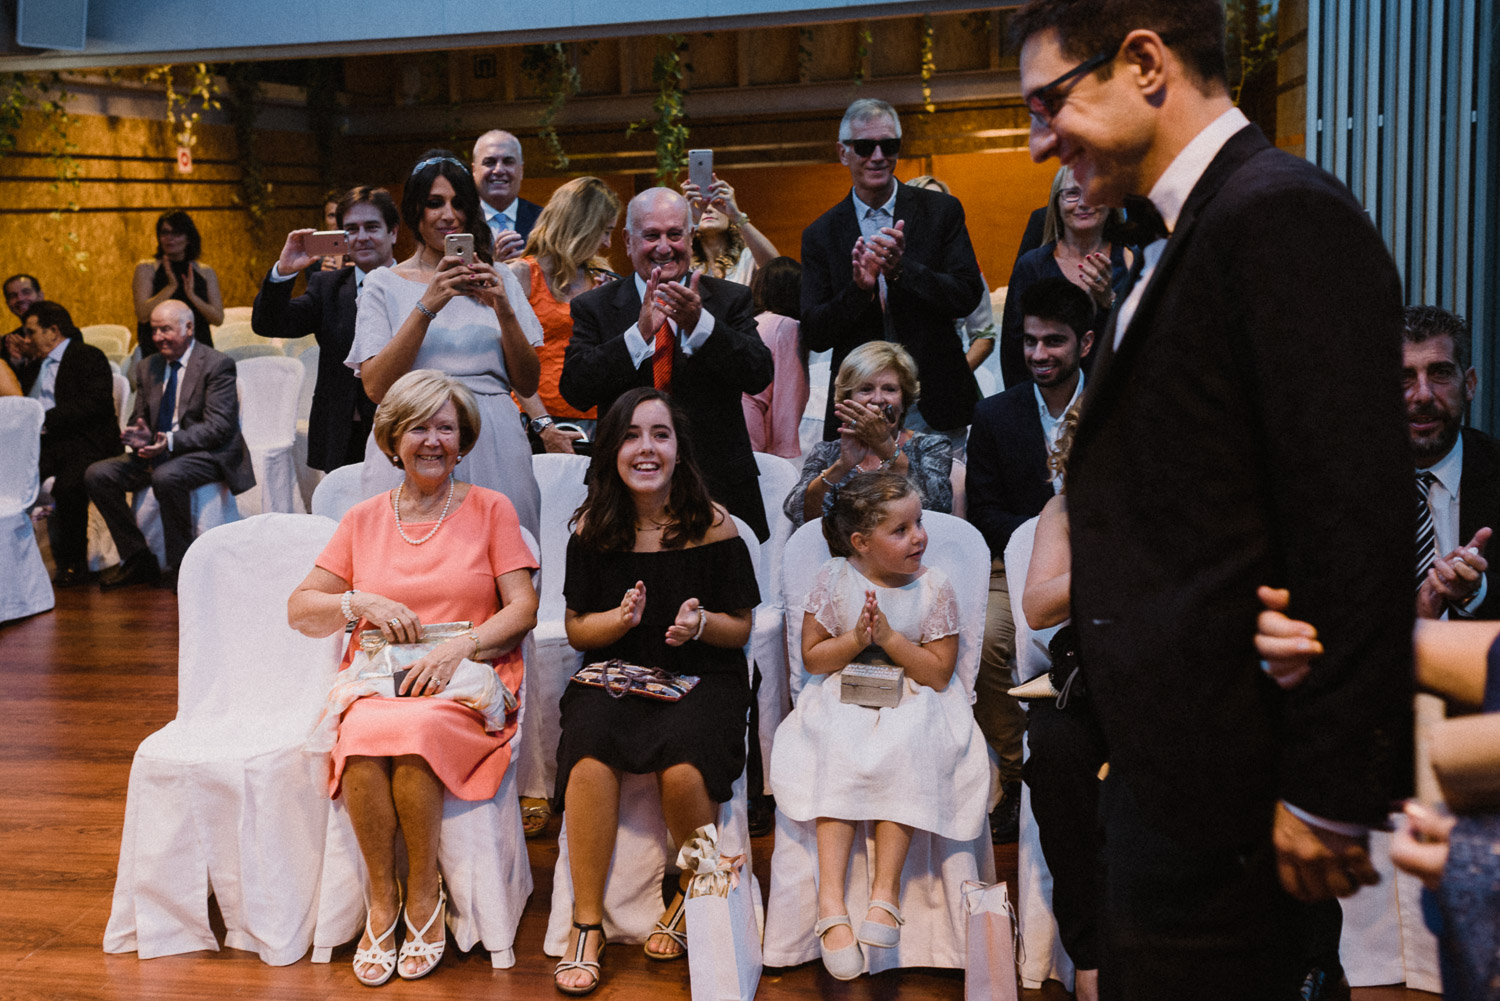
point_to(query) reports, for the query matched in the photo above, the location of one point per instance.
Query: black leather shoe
(1005, 822)
(69, 577)
(762, 815)
(139, 569)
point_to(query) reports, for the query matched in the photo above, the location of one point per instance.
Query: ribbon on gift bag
(714, 874)
(993, 954)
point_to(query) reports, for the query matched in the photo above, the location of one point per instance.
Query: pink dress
(774, 415)
(451, 578)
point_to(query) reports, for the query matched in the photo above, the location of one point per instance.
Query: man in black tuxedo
(1458, 468)
(1242, 427)
(696, 339)
(341, 414)
(1008, 484)
(892, 262)
(184, 432)
(498, 167)
(20, 292)
(75, 386)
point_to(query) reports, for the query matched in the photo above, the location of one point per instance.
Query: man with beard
(20, 292)
(1458, 468)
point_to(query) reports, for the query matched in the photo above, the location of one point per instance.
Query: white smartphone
(701, 169)
(326, 243)
(461, 245)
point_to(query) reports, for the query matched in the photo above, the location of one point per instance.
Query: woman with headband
(469, 320)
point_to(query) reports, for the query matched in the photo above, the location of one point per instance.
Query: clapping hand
(137, 435)
(866, 265)
(633, 605)
(508, 246)
(1096, 275)
(889, 247)
(681, 302)
(157, 446)
(685, 626)
(1454, 578)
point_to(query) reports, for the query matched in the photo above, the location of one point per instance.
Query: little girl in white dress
(921, 764)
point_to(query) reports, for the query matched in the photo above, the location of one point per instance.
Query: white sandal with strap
(873, 933)
(416, 946)
(670, 925)
(385, 959)
(589, 966)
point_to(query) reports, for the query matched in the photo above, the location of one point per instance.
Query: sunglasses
(1044, 101)
(865, 147)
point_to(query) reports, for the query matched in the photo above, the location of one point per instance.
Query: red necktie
(661, 358)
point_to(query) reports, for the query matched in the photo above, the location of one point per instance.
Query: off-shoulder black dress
(707, 727)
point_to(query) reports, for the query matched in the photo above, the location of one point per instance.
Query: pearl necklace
(417, 542)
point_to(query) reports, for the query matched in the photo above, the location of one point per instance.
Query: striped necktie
(661, 358)
(1426, 547)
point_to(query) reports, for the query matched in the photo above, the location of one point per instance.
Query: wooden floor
(81, 686)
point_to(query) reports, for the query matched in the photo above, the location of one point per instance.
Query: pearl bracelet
(702, 621)
(346, 608)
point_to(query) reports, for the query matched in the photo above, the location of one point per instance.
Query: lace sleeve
(940, 618)
(819, 459)
(821, 600)
(929, 465)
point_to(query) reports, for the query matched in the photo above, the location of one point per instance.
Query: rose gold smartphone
(326, 243)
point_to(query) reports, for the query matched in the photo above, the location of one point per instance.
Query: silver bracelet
(422, 308)
(346, 608)
(702, 621)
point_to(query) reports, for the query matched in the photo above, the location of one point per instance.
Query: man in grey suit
(184, 432)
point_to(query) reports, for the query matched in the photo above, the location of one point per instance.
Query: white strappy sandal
(670, 925)
(415, 946)
(384, 959)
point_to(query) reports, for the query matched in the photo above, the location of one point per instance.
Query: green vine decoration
(25, 92)
(668, 72)
(929, 66)
(181, 118)
(551, 68)
(243, 102)
(1251, 31)
(864, 37)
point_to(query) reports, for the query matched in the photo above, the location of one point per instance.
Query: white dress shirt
(1171, 192)
(44, 390)
(641, 349)
(1443, 500)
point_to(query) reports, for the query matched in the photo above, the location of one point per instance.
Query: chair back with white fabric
(27, 590)
(644, 851)
(339, 491)
(308, 359)
(768, 642)
(238, 333)
(988, 384)
(481, 855)
(209, 506)
(560, 479)
(295, 347)
(221, 799)
(244, 352)
(936, 867)
(238, 314)
(120, 387)
(1043, 956)
(111, 338)
(269, 388)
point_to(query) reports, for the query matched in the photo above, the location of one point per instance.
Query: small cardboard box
(874, 685)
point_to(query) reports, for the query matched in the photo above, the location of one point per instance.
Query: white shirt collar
(57, 351)
(1042, 403)
(1449, 470)
(1171, 190)
(861, 209)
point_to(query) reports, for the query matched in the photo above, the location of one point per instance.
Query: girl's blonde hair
(568, 231)
(859, 506)
(1057, 462)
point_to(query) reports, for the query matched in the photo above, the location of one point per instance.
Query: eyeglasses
(1044, 101)
(1070, 196)
(865, 147)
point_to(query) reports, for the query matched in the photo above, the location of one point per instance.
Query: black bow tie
(1142, 226)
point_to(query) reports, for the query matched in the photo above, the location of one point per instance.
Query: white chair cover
(27, 590)
(295, 347)
(238, 314)
(212, 505)
(561, 480)
(308, 478)
(645, 853)
(120, 387)
(111, 338)
(244, 352)
(481, 854)
(1044, 957)
(768, 641)
(237, 333)
(935, 933)
(221, 799)
(1385, 939)
(269, 388)
(338, 491)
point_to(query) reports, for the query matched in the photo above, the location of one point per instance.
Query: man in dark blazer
(184, 432)
(699, 331)
(498, 167)
(341, 414)
(1458, 468)
(916, 274)
(1008, 484)
(1242, 427)
(76, 387)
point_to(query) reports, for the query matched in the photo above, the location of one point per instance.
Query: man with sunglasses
(1243, 426)
(892, 262)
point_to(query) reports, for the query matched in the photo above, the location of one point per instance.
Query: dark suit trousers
(1062, 771)
(68, 528)
(172, 481)
(1183, 921)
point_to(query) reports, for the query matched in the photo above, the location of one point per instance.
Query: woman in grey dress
(469, 321)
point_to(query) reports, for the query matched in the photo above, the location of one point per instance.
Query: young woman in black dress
(657, 576)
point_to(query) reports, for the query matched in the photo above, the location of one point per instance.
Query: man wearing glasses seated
(894, 263)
